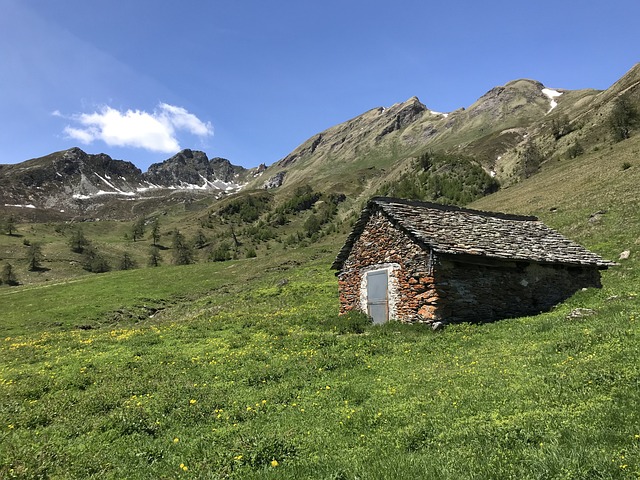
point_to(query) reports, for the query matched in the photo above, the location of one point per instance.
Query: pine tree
(93, 261)
(126, 262)
(622, 118)
(560, 126)
(182, 252)
(10, 225)
(154, 256)
(200, 240)
(78, 242)
(137, 231)
(155, 230)
(8, 276)
(530, 159)
(34, 257)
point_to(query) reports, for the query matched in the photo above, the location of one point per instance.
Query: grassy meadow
(263, 380)
(242, 369)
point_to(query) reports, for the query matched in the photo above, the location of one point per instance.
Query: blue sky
(251, 80)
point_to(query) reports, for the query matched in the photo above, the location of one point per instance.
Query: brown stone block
(427, 311)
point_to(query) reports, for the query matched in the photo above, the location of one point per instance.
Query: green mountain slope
(359, 155)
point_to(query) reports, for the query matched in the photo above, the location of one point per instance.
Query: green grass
(252, 372)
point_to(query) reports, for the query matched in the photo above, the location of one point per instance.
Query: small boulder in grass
(625, 255)
(578, 313)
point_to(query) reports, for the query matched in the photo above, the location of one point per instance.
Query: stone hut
(423, 262)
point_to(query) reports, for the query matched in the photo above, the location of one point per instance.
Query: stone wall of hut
(412, 295)
(478, 293)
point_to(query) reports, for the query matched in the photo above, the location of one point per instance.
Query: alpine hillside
(500, 132)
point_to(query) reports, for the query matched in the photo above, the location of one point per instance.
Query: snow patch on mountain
(213, 185)
(20, 206)
(552, 95)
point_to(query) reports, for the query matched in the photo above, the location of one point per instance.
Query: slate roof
(462, 231)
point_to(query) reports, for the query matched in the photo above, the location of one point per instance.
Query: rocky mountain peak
(191, 167)
(519, 97)
(74, 153)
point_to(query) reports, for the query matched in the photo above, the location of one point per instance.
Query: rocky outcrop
(276, 181)
(402, 116)
(56, 180)
(510, 98)
(360, 132)
(193, 168)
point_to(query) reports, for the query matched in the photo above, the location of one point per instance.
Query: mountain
(510, 132)
(361, 154)
(72, 182)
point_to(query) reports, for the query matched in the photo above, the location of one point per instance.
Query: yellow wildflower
(274, 463)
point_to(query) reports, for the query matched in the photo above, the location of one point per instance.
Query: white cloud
(181, 119)
(154, 131)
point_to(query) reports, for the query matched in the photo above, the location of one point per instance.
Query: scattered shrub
(247, 209)
(221, 252)
(623, 118)
(93, 261)
(303, 199)
(575, 150)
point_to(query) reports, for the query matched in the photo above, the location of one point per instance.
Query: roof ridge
(452, 208)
